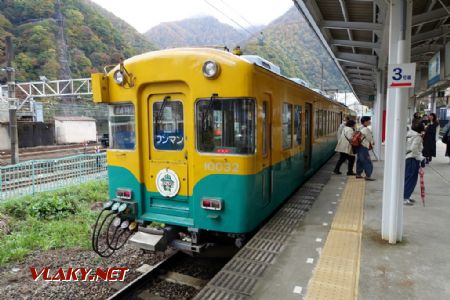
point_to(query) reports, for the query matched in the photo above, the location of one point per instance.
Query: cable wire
(237, 13)
(228, 17)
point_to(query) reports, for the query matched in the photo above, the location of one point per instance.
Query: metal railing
(30, 177)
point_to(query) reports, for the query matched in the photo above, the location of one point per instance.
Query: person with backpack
(414, 160)
(345, 148)
(429, 139)
(365, 138)
(446, 140)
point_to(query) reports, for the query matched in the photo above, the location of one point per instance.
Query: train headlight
(119, 77)
(211, 69)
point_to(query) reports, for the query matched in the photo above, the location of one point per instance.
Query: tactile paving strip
(337, 272)
(238, 278)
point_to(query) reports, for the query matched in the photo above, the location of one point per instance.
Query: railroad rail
(176, 276)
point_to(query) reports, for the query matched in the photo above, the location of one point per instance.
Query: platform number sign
(401, 75)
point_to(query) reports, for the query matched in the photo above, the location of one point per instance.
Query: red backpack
(357, 139)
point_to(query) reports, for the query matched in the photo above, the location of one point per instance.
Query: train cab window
(168, 125)
(298, 125)
(122, 133)
(287, 126)
(226, 126)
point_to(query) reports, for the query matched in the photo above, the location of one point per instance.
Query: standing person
(363, 162)
(97, 157)
(416, 119)
(345, 148)
(429, 139)
(414, 159)
(447, 135)
(341, 127)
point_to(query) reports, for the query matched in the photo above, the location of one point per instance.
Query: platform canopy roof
(356, 34)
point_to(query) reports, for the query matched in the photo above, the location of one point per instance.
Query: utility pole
(10, 75)
(321, 77)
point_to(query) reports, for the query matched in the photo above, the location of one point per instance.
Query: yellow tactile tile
(337, 272)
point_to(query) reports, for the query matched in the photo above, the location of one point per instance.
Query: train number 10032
(221, 167)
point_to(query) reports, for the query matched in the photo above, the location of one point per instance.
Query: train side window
(226, 126)
(328, 122)
(316, 121)
(320, 122)
(168, 125)
(298, 125)
(122, 132)
(264, 128)
(287, 126)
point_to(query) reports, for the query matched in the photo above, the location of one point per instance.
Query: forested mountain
(61, 39)
(290, 43)
(202, 31)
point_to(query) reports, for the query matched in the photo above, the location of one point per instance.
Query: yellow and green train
(208, 142)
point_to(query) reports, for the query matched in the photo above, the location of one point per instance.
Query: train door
(168, 166)
(266, 151)
(308, 136)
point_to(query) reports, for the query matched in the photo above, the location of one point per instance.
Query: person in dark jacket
(447, 149)
(416, 119)
(429, 139)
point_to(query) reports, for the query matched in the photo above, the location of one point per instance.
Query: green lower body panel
(247, 199)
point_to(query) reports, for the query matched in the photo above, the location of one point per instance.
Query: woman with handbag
(414, 160)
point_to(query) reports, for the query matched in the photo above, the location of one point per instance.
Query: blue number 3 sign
(397, 74)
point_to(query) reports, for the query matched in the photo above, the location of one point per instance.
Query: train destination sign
(401, 75)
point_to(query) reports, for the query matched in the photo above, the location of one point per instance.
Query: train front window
(226, 126)
(122, 133)
(168, 125)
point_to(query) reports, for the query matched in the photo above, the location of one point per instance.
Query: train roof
(211, 53)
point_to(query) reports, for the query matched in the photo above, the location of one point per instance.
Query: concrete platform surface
(419, 267)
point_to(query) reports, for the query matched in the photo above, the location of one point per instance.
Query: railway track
(177, 276)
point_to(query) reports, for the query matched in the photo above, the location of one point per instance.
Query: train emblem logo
(167, 183)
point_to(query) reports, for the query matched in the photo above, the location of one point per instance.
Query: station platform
(329, 257)
(335, 250)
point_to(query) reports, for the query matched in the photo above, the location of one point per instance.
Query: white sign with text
(401, 75)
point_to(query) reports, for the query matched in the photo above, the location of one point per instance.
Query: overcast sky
(144, 14)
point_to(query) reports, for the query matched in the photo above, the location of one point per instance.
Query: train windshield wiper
(161, 110)
(208, 109)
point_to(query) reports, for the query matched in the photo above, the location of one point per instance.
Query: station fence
(34, 176)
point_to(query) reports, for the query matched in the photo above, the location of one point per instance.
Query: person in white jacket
(345, 148)
(341, 127)
(414, 159)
